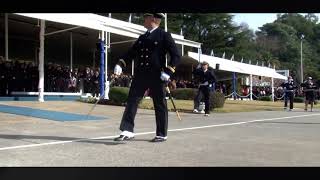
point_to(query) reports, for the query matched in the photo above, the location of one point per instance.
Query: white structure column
(107, 83)
(132, 67)
(166, 29)
(182, 46)
(130, 16)
(251, 87)
(71, 51)
(41, 62)
(272, 89)
(199, 52)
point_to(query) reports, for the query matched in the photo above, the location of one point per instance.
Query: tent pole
(41, 62)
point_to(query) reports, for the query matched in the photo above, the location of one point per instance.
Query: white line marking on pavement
(144, 133)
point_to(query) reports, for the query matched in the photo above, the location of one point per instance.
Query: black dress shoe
(158, 139)
(123, 138)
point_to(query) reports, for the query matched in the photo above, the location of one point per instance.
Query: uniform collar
(152, 29)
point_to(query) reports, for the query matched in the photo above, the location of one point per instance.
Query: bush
(265, 98)
(183, 93)
(118, 95)
(217, 100)
(298, 99)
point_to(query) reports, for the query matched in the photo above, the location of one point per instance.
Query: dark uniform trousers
(309, 91)
(289, 93)
(149, 53)
(288, 97)
(197, 99)
(138, 87)
(204, 90)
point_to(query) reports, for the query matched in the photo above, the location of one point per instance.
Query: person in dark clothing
(95, 82)
(34, 77)
(289, 88)
(87, 80)
(149, 51)
(199, 96)
(309, 90)
(205, 76)
(72, 82)
(3, 79)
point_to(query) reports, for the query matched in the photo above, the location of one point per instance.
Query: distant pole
(301, 62)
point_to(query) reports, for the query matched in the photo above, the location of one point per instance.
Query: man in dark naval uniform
(206, 77)
(289, 88)
(309, 89)
(151, 72)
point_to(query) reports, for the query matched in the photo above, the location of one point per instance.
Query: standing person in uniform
(289, 88)
(199, 95)
(3, 79)
(149, 51)
(95, 82)
(206, 77)
(309, 90)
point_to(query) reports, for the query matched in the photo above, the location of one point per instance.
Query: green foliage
(217, 100)
(118, 95)
(265, 98)
(298, 99)
(286, 34)
(184, 93)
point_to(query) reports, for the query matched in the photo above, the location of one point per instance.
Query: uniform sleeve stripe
(171, 69)
(123, 62)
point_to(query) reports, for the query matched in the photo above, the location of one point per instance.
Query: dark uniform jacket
(309, 89)
(289, 86)
(149, 53)
(201, 77)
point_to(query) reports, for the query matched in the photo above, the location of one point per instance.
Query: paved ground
(266, 138)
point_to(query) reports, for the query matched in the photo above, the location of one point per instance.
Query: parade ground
(59, 133)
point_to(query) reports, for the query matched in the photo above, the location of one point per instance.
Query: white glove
(205, 83)
(164, 76)
(117, 70)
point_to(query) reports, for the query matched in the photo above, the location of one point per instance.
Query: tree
(282, 40)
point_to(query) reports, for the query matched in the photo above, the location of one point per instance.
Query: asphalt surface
(267, 138)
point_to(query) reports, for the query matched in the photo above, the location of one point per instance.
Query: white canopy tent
(102, 23)
(243, 68)
(105, 25)
(235, 66)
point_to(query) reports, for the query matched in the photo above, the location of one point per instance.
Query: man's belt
(309, 90)
(289, 90)
(204, 84)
